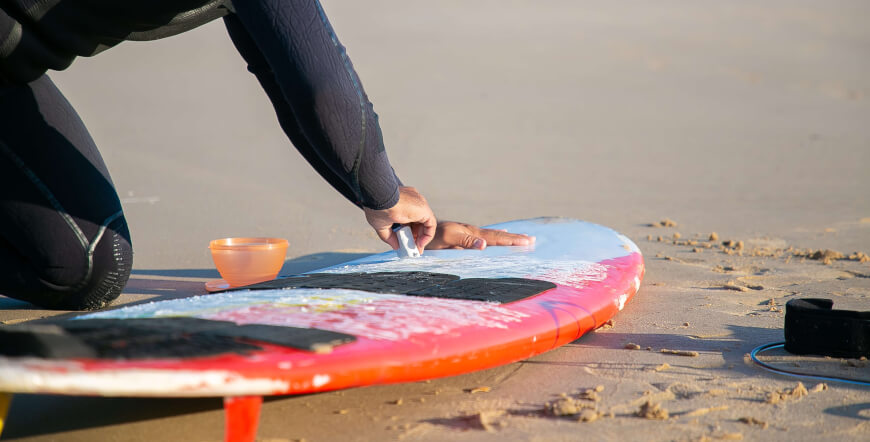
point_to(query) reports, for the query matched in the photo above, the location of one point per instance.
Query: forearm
(324, 97)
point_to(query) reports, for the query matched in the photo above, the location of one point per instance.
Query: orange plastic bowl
(243, 261)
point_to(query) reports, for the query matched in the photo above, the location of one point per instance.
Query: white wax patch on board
(370, 315)
(558, 239)
(571, 273)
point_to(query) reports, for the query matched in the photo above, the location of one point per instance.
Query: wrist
(386, 204)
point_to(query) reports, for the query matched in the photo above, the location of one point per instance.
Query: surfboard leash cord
(770, 346)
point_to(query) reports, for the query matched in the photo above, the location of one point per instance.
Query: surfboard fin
(242, 417)
(5, 400)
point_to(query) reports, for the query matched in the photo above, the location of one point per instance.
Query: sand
(747, 120)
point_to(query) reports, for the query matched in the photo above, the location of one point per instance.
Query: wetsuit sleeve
(318, 96)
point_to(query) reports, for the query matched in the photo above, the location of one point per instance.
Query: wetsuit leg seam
(113, 281)
(43, 189)
(93, 245)
(87, 246)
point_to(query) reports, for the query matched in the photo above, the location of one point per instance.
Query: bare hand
(453, 235)
(412, 209)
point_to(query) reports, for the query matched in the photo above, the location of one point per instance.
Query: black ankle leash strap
(812, 326)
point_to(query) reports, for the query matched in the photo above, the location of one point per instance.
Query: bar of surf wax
(407, 246)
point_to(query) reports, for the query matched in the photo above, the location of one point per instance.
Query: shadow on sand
(294, 266)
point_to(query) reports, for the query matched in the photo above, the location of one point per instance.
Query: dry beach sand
(747, 120)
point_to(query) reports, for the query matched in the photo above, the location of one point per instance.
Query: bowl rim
(248, 243)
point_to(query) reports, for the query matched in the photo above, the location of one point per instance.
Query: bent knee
(65, 275)
(104, 279)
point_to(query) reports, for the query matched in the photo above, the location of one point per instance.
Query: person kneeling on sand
(64, 241)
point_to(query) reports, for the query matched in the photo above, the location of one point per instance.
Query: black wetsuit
(64, 241)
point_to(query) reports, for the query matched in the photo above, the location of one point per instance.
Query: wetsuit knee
(91, 280)
(109, 269)
(64, 271)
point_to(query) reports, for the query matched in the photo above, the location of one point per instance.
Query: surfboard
(375, 320)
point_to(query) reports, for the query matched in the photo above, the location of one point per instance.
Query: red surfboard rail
(399, 338)
(493, 335)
